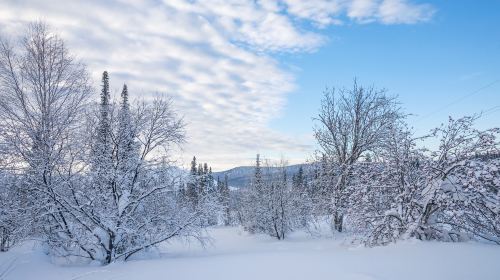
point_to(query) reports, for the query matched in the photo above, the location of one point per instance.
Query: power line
(460, 99)
(490, 111)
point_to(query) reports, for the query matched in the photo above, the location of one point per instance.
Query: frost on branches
(268, 204)
(127, 202)
(92, 180)
(450, 194)
(351, 123)
(205, 195)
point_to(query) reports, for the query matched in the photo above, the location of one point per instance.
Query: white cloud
(399, 11)
(327, 12)
(322, 12)
(362, 9)
(213, 56)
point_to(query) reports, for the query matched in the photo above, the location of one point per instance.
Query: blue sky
(248, 76)
(434, 67)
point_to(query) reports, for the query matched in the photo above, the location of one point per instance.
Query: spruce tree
(210, 181)
(298, 179)
(192, 185)
(102, 163)
(193, 166)
(127, 152)
(200, 180)
(257, 180)
(225, 201)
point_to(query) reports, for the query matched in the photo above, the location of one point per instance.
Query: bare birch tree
(352, 122)
(43, 90)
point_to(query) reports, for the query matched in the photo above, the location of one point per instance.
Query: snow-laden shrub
(451, 194)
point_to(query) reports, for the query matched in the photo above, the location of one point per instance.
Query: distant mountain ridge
(241, 177)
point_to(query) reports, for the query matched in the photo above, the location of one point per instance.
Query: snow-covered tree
(452, 189)
(129, 202)
(321, 188)
(224, 200)
(14, 215)
(269, 204)
(202, 192)
(192, 191)
(253, 205)
(99, 187)
(302, 202)
(449, 194)
(386, 195)
(352, 122)
(43, 91)
(476, 208)
(102, 146)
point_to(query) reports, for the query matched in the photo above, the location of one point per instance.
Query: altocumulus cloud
(214, 57)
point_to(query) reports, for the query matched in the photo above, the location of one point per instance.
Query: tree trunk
(3, 242)
(109, 252)
(338, 221)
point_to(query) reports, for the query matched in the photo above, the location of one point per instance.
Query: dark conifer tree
(102, 158)
(192, 191)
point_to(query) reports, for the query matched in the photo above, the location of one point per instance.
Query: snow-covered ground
(237, 255)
